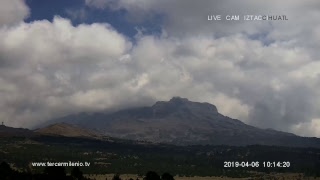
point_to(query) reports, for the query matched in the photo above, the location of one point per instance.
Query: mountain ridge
(6, 131)
(66, 130)
(183, 122)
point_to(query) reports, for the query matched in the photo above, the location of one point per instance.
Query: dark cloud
(281, 110)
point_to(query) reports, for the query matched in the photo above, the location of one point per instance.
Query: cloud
(190, 19)
(188, 16)
(44, 66)
(12, 12)
(52, 69)
(80, 14)
(101, 4)
(252, 71)
(311, 128)
(269, 69)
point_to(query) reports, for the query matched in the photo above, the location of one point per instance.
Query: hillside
(6, 131)
(67, 130)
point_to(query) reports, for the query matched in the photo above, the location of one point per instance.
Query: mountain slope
(6, 131)
(182, 122)
(67, 130)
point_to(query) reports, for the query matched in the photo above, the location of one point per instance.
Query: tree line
(59, 173)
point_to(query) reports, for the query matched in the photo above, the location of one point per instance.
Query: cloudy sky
(63, 57)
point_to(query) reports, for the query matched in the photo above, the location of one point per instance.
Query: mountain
(6, 131)
(66, 130)
(183, 122)
(58, 130)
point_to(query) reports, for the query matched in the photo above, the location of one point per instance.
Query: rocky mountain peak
(179, 100)
(182, 105)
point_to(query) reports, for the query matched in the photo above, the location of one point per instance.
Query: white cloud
(189, 18)
(98, 3)
(308, 129)
(44, 67)
(231, 106)
(48, 69)
(55, 68)
(80, 14)
(12, 12)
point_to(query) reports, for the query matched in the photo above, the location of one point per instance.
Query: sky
(65, 57)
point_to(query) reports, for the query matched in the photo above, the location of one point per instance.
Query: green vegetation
(127, 157)
(59, 173)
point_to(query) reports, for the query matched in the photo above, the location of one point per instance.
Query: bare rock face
(181, 106)
(183, 122)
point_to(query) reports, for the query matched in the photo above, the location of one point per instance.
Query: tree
(167, 176)
(76, 173)
(55, 172)
(151, 175)
(5, 170)
(116, 177)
